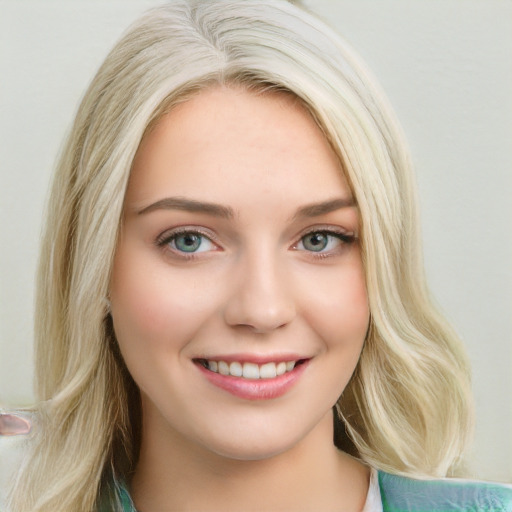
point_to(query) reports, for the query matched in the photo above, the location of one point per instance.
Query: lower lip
(255, 389)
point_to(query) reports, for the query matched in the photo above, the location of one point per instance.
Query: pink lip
(257, 389)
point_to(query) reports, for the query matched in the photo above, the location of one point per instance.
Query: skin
(12, 425)
(254, 287)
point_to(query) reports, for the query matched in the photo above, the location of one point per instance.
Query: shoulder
(400, 494)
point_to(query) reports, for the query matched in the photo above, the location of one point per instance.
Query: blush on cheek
(340, 309)
(155, 312)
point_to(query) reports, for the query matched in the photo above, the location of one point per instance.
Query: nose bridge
(262, 298)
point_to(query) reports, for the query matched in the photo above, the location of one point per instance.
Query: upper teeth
(250, 370)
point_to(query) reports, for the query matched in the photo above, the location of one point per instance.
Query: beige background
(447, 67)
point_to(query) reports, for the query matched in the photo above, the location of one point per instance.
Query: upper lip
(254, 358)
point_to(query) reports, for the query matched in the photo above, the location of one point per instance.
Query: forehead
(232, 142)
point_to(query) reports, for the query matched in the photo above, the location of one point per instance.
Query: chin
(253, 452)
(253, 447)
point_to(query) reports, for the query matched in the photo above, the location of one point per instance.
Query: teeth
(281, 368)
(235, 369)
(223, 368)
(268, 370)
(251, 370)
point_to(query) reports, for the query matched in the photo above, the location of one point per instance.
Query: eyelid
(329, 230)
(179, 230)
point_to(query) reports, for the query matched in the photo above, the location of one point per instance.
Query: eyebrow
(189, 205)
(218, 210)
(317, 209)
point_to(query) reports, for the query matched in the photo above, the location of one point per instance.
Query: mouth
(252, 380)
(248, 370)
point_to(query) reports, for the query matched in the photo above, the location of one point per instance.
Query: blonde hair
(407, 409)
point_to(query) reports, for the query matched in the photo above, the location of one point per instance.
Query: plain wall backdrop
(446, 66)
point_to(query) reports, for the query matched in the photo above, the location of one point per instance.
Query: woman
(199, 337)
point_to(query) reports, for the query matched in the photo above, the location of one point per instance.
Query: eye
(187, 242)
(323, 241)
(315, 242)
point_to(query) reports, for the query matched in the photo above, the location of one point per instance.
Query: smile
(253, 380)
(248, 370)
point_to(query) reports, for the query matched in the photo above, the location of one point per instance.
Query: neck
(173, 474)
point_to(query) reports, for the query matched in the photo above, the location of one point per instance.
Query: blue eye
(188, 242)
(323, 241)
(315, 242)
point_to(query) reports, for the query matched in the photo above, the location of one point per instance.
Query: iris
(315, 242)
(188, 242)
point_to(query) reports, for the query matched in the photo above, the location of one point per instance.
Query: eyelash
(346, 239)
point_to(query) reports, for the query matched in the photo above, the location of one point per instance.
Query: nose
(262, 299)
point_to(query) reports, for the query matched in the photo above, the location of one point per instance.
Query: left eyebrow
(316, 209)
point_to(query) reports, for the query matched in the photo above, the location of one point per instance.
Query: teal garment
(126, 500)
(401, 494)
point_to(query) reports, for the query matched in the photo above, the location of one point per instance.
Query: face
(238, 293)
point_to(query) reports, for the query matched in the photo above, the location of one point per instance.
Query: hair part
(407, 408)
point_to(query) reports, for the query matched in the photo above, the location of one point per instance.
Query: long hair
(407, 408)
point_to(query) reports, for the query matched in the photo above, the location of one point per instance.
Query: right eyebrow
(189, 205)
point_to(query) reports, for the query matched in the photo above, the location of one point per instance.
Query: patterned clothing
(401, 494)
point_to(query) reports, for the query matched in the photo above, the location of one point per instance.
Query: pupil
(188, 242)
(315, 242)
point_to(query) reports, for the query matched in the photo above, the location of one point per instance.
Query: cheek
(337, 308)
(153, 307)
